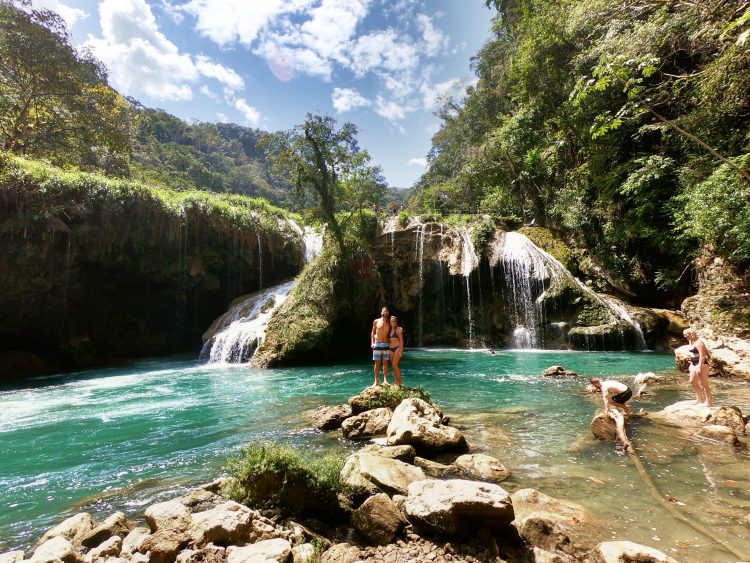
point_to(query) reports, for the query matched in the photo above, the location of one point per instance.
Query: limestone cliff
(94, 270)
(720, 312)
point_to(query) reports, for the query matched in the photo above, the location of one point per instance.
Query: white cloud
(227, 21)
(345, 99)
(392, 110)
(418, 162)
(222, 118)
(434, 39)
(382, 50)
(226, 76)
(141, 59)
(69, 14)
(210, 94)
(251, 115)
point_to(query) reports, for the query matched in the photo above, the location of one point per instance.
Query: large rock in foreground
(378, 520)
(553, 525)
(419, 424)
(375, 474)
(368, 424)
(688, 414)
(627, 552)
(331, 418)
(385, 396)
(456, 507)
(73, 529)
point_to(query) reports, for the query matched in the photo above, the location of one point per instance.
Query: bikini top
(394, 334)
(693, 350)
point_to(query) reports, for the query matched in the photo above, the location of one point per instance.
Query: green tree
(54, 100)
(323, 162)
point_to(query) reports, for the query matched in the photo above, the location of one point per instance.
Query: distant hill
(220, 157)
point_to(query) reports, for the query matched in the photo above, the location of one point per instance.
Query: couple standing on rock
(387, 343)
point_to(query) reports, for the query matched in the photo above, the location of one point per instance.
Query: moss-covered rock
(551, 244)
(328, 313)
(388, 396)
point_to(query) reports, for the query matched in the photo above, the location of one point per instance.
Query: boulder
(226, 524)
(132, 542)
(56, 549)
(417, 423)
(11, 556)
(140, 557)
(603, 427)
(73, 529)
(627, 552)
(544, 556)
(688, 414)
(303, 553)
(682, 357)
(378, 520)
(115, 525)
(433, 468)
(352, 478)
(209, 554)
(551, 524)
(456, 507)
(110, 547)
(558, 371)
(341, 553)
(401, 453)
(164, 545)
(384, 396)
(481, 467)
(201, 500)
(330, 418)
(388, 475)
(367, 425)
(267, 551)
(170, 515)
(719, 433)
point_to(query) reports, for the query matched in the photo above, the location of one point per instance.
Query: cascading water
(527, 269)
(469, 261)
(419, 249)
(238, 332)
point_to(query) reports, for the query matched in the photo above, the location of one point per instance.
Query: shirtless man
(614, 393)
(379, 344)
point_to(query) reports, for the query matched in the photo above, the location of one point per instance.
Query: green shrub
(403, 218)
(276, 476)
(481, 235)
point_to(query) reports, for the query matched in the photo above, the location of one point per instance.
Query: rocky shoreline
(415, 492)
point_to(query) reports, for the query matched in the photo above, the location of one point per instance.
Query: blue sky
(381, 64)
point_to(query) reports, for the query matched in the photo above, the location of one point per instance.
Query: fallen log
(610, 426)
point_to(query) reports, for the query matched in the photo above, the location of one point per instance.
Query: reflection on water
(123, 438)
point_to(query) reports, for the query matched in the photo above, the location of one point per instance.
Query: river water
(120, 439)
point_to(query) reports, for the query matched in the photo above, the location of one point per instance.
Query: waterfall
(260, 263)
(419, 250)
(469, 261)
(236, 335)
(239, 331)
(527, 268)
(312, 240)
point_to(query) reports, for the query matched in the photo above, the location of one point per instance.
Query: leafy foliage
(617, 123)
(324, 164)
(268, 475)
(54, 100)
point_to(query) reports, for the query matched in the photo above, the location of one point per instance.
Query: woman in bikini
(698, 368)
(396, 343)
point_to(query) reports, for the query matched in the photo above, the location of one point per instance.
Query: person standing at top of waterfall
(396, 343)
(698, 368)
(614, 393)
(379, 344)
